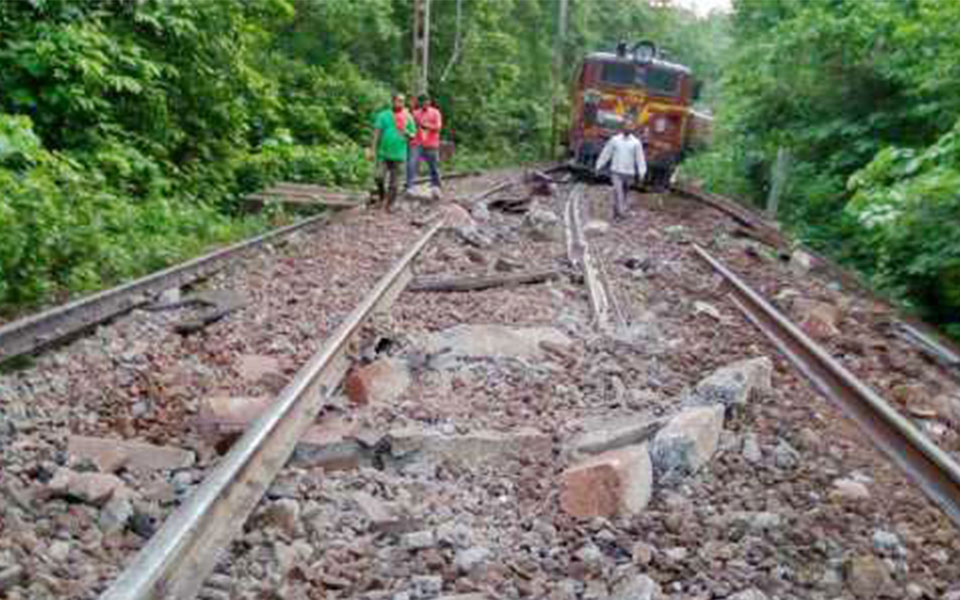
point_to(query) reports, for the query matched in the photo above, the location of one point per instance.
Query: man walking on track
(426, 145)
(624, 152)
(392, 130)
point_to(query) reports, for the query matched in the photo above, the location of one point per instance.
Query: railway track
(40, 330)
(937, 474)
(180, 556)
(607, 313)
(477, 410)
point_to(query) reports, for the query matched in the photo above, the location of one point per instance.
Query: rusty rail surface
(180, 556)
(759, 227)
(34, 332)
(937, 474)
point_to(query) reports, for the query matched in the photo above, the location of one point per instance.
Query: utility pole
(421, 45)
(558, 74)
(778, 177)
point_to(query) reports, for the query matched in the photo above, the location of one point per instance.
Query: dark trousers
(621, 185)
(429, 155)
(388, 171)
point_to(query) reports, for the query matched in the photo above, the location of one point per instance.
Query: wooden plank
(474, 283)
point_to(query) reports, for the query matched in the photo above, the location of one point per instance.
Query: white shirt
(624, 152)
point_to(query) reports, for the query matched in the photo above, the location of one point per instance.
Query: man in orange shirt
(426, 144)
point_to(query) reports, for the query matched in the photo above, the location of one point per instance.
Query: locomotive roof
(663, 64)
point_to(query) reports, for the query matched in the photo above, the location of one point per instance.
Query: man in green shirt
(392, 130)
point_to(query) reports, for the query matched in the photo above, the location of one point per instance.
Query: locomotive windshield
(618, 73)
(656, 80)
(659, 80)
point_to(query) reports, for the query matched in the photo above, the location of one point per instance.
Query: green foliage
(908, 208)
(280, 159)
(863, 94)
(64, 230)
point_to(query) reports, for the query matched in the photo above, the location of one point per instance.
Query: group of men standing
(402, 138)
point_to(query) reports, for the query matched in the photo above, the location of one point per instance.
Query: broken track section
(606, 312)
(184, 551)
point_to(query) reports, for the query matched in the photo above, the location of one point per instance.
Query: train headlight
(644, 52)
(660, 124)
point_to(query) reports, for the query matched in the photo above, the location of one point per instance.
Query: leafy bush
(62, 229)
(907, 204)
(874, 174)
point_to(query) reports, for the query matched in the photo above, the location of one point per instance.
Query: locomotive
(636, 87)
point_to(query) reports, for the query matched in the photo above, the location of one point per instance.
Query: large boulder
(734, 384)
(868, 577)
(474, 448)
(687, 442)
(493, 341)
(611, 434)
(381, 381)
(618, 482)
(89, 487)
(636, 587)
(818, 319)
(110, 454)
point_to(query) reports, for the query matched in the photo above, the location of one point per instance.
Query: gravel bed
(483, 519)
(744, 527)
(136, 378)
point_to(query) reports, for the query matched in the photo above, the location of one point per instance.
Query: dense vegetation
(866, 98)
(129, 130)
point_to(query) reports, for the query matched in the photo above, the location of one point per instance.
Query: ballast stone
(750, 594)
(381, 381)
(613, 434)
(543, 224)
(493, 341)
(638, 587)
(688, 441)
(618, 482)
(89, 487)
(110, 454)
(733, 384)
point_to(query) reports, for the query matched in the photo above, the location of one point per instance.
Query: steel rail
(936, 473)
(179, 557)
(942, 351)
(578, 251)
(498, 187)
(446, 176)
(36, 331)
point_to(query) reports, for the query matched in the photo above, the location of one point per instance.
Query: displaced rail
(602, 301)
(185, 550)
(35, 332)
(920, 459)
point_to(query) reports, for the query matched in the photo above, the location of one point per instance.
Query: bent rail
(180, 556)
(602, 301)
(937, 474)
